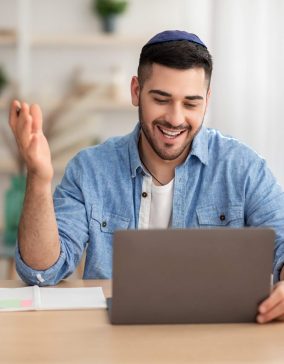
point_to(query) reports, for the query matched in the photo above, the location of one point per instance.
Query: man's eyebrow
(160, 92)
(166, 94)
(194, 97)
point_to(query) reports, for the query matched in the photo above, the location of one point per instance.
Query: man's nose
(175, 115)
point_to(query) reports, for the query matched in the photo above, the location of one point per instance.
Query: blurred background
(76, 58)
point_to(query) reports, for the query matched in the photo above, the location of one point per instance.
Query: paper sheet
(46, 298)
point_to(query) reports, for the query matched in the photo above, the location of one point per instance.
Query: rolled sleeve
(50, 276)
(72, 229)
(277, 269)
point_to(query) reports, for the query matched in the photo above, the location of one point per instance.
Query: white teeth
(171, 134)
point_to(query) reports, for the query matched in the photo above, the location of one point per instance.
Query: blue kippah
(173, 35)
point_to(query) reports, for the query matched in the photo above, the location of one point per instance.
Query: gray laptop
(190, 275)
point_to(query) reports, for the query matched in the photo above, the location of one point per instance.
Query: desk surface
(85, 336)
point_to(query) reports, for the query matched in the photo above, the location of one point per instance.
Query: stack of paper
(46, 298)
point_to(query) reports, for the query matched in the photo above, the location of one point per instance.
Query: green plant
(3, 79)
(106, 8)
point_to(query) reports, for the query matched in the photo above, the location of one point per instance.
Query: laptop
(190, 275)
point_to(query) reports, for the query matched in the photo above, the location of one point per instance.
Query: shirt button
(104, 224)
(144, 194)
(222, 217)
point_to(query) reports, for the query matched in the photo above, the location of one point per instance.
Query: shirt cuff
(277, 270)
(50, 276)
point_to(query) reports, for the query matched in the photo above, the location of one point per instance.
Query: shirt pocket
(109, 222)
(230, 215)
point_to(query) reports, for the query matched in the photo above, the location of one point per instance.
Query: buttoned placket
(145, 205)
(178, 213)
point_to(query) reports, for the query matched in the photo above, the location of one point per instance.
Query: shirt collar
(135, 162)
(199, 148)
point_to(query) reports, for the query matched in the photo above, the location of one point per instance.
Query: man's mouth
(171, 134)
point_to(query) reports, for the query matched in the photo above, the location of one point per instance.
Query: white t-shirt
(156, 205)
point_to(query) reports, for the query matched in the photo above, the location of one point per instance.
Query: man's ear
(208, 95)
(208, 98)
(135, 91)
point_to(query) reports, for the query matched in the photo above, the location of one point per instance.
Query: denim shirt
(221, 183)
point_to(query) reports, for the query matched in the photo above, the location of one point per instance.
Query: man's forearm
(38, 233)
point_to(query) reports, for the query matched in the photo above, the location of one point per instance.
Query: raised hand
(26, 124)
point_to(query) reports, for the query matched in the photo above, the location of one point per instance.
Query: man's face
(172, 105)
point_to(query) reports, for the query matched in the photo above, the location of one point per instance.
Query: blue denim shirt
(101, 192)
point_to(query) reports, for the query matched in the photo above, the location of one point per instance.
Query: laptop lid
(190, 275)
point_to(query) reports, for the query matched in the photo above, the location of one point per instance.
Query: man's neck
(162, 171)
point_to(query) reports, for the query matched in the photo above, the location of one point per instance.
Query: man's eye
(190, 106)
(160, 101)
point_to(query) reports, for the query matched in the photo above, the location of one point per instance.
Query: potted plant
(108, 11)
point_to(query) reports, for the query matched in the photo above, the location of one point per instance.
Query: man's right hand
(39, 243)
(26, 124)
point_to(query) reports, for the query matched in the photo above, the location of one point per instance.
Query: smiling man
(171, 171)
(172, 105)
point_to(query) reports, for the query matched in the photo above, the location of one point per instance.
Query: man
(169, 172)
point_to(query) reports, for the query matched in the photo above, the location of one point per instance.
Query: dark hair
(180, 54)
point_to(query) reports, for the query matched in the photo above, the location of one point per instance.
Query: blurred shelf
(110, 106)
(84, 40)
(75, 40)
(8, 40)
(8, 37)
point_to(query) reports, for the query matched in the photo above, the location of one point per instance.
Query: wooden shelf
(100, 107)
(75, 40)
(8, 40)
(86, 40)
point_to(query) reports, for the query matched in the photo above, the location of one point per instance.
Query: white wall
(244, 37)
(248, 49)
(50, 67)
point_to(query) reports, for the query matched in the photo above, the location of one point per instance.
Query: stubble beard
(166, 153)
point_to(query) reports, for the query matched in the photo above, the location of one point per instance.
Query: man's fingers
(276, 296)
(25, 120)
(14, 113)
(21, 123)
(36, 114)
(25, 109)
(277, 312)
(273, 306)
(23, 126)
